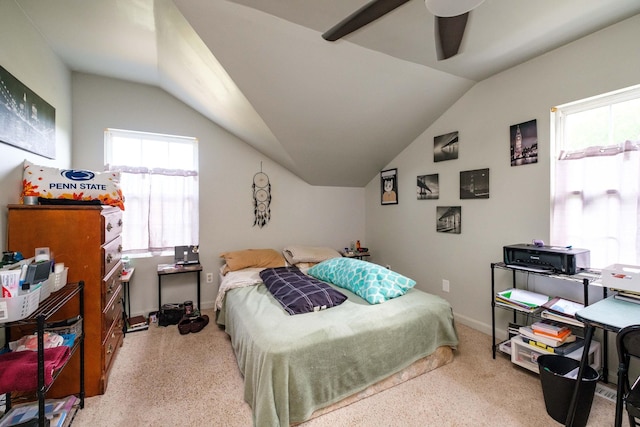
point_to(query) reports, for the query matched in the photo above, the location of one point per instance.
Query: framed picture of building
(524, 143)
(26, 120)
(474, 184)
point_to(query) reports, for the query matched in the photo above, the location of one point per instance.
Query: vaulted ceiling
(333, 113)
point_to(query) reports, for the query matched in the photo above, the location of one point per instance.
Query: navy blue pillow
(299, 293)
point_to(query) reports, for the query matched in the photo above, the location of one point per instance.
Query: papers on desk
(521, 299)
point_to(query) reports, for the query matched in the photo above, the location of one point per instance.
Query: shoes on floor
(192, 324)
(199, 323)
(184, 326)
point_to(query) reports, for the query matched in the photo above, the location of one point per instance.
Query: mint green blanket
(294, 365)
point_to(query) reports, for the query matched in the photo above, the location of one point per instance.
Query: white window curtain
(597, 202)
(161, 203)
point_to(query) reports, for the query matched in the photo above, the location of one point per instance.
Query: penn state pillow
(369, 281)
(70, 185)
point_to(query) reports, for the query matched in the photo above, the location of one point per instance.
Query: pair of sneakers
(192, 324)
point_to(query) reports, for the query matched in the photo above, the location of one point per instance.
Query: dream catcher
(261, 198)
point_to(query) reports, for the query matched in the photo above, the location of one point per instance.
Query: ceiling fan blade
(361, 17)
(449, 34)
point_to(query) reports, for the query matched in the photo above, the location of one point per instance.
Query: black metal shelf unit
(46, 309)
(577, 279)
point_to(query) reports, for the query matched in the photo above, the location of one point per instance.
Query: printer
(546, 259)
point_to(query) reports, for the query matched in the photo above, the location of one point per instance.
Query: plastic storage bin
(59, 279)
(19, 307)
(558, 389)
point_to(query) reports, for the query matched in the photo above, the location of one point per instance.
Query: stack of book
(58, 412)
(562, 310)
(521, 300)
(553, 337)
(137, 323)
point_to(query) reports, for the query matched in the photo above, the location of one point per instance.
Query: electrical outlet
(209, 277)
(445, 285)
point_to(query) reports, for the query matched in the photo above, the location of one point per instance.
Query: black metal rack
(46, 309)
(585, 282)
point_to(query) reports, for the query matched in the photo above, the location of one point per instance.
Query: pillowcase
(298, 293)
(369, 281)
(299, 254)
(77, 185)
(252, 258)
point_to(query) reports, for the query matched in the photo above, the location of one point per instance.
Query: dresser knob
(110, 349)
(109, 258)
(120, 222)
(109, 227)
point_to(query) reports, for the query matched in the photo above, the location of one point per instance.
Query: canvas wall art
(26, 120)
(428, 187)
(449, 219)
(445, 147)
(524, 143)
(474, 184)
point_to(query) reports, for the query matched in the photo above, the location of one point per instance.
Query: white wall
(518, 209)
(300, 213)
(25, 55)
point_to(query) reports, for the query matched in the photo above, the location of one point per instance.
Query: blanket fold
(19, 369)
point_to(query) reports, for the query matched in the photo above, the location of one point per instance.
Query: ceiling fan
(451, 20)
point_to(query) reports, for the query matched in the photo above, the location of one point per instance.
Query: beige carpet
(162, 378)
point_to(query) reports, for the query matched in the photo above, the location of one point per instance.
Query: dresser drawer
(110, 286)
(112, 225)
(112, 253)
(112, 313)
(110, 348)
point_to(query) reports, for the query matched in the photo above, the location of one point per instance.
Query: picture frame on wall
(449, 219)
(524, 143)
(389, 187)
(27, 121)
(474, 184)
(445, 147)
(428, 187)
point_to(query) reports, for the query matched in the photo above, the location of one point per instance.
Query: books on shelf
(527, 332)
(553, 330)
(563, 306)
(521, 299)
(628, 296)
(550, 315)
(561, 350)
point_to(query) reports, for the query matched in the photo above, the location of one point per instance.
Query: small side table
(356, 255)
(166, 269)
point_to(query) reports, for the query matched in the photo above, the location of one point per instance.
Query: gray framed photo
(428, 187)
(445, 147)
(474, 184)
(389, 187)
(449, 219)
(524, 143)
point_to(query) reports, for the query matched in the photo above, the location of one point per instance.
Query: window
(159, 180)
(596, 177)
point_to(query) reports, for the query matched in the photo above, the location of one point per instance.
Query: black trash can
(558, 389)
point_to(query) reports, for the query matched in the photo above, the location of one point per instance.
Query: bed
(296, 367)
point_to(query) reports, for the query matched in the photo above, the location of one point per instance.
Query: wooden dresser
(88, 240)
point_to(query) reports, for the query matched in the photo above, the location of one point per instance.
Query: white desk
(610, 314)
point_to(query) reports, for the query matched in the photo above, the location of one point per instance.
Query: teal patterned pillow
(370, 281)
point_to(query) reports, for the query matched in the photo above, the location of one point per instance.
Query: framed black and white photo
(449, 219)
(389, 187)
(474, 184)
(524, 143)
(445, 147)
(428, 187)
(26, 120)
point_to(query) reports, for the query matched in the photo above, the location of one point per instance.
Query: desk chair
(628, 343)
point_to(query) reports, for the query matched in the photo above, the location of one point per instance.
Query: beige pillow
(252, 258)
